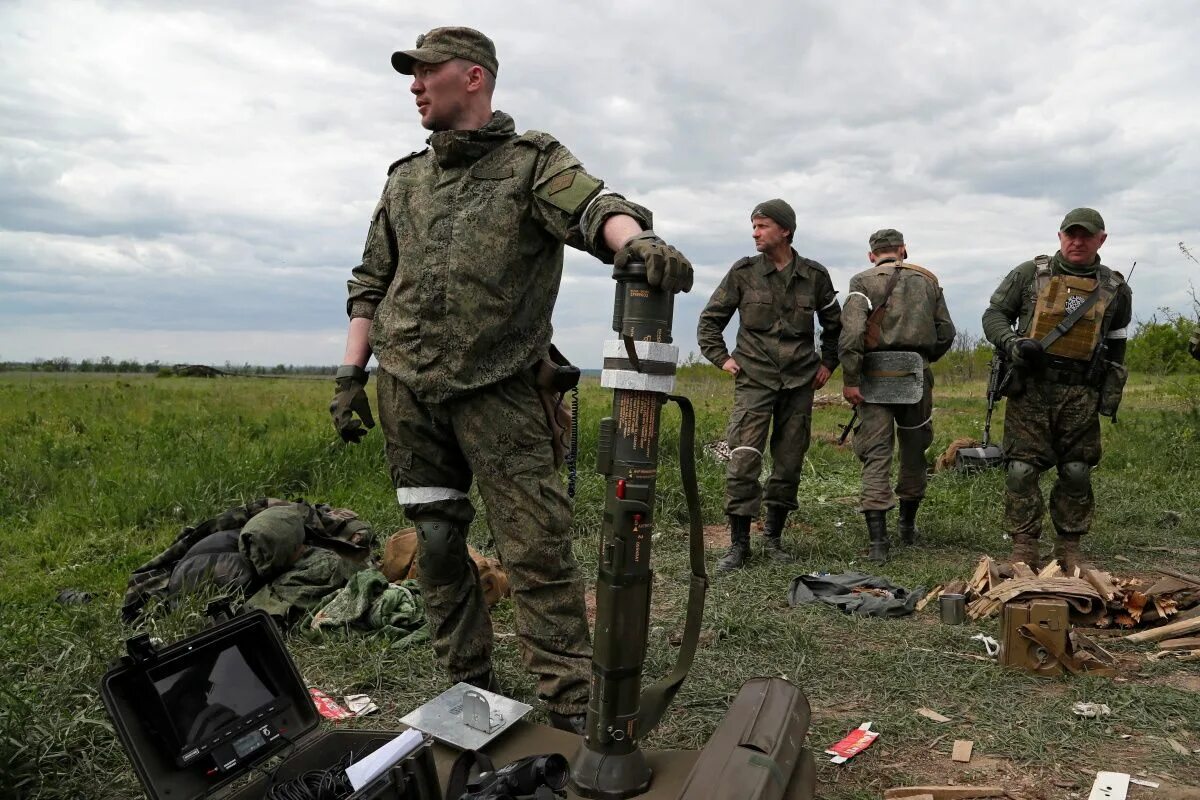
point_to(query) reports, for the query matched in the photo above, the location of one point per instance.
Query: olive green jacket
(1016, 296)
(465, 252)
(916, 318)
(776, 339)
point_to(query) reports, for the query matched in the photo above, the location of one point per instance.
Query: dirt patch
(1184, 681)
(716, 536)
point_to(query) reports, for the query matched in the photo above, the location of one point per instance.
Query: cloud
(202, 176)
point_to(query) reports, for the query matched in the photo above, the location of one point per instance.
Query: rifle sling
(1061, 329)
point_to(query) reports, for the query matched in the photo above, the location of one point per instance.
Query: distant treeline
(106, 364)
(1157, 346)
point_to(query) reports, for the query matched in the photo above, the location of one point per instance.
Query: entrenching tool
(988, 455)
(640, 368)
(849, 426)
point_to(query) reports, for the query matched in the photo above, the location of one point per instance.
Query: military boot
(773, 535)
(739, 544)
(908, 520)
(1066, 550)
(1025, 549)
(877, 529)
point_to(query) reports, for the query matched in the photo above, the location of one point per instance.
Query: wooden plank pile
(1097, 598)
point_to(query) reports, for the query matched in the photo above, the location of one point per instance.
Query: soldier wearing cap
(454, 297)
(893, 306)
(1061, 322)
(777, 367)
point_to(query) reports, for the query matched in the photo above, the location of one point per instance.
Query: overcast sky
(193, 181)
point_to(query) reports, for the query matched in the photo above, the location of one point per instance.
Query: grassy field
(99, 473)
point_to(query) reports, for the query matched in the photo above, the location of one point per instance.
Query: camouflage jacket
(1016, 296)
(331, 530)
(916, 318)
(465, 252)
(776, 340)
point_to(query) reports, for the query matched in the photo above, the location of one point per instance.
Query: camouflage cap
(777, 210)
(1088, 218)
(886, 239)
(443, 44)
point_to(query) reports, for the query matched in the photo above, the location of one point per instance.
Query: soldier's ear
(871, 256)
(903, 253)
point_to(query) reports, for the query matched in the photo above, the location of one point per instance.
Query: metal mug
(954, 608)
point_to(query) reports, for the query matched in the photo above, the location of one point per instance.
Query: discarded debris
(327, 706)
(1098, 599)
(852, 744)
(1110, 786)
(943, 792)
(1091, 710)
(929, 713)
(360, 705)
(989, 644)
(962, 751)
(1178, 748)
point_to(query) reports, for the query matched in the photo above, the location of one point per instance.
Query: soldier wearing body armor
(895, 308)
(1061, 321)
(454, 297)
(776, 367)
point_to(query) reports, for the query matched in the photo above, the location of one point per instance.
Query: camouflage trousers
(787, 415)
(499, 437)
(1050, 425)
(912, 426)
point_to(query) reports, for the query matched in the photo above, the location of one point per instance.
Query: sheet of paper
(372, 766)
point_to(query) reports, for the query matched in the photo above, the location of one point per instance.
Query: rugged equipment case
(758, 749)
(1024, 652)
(289, 719)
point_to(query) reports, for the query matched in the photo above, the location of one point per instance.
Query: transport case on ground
(196, 716)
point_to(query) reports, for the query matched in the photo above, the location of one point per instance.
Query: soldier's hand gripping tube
(640, 368)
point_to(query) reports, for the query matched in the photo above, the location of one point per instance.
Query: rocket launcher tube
(640, 368)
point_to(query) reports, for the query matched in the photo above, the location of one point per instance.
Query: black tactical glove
(350, 399)
(666, 267)
(1026, 353)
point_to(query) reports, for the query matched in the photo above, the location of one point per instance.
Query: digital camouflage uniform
(1053, 422)
(459, 274)
(776, 350)
(916, 320)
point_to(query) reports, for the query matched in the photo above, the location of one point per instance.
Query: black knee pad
(443, 550)
(1076, 477)
(1022, 477)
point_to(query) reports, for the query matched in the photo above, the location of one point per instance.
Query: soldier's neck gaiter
(1061, 264)
(457, 148)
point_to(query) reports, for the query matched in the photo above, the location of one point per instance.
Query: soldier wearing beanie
(454, 298)
(893, 307)
(776, 366)
(1061, 322)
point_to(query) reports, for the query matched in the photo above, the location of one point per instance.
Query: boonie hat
(886, 239)
(1088, 218)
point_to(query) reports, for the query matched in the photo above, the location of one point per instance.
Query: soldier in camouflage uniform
(454, 297)
(915, 319)
(776, 368)
(1052, 415)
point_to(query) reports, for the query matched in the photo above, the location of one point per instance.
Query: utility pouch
(757, 751)
(554, 376)
(1111, 389)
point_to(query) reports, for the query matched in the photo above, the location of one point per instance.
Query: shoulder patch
(569, 190)
(538, 139)
(408, 157)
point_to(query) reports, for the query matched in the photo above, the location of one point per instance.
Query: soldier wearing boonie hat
(914, 319)
(777, 368)
(1068, 368)
(454, 298)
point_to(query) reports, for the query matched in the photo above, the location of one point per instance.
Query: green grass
(99, 474)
